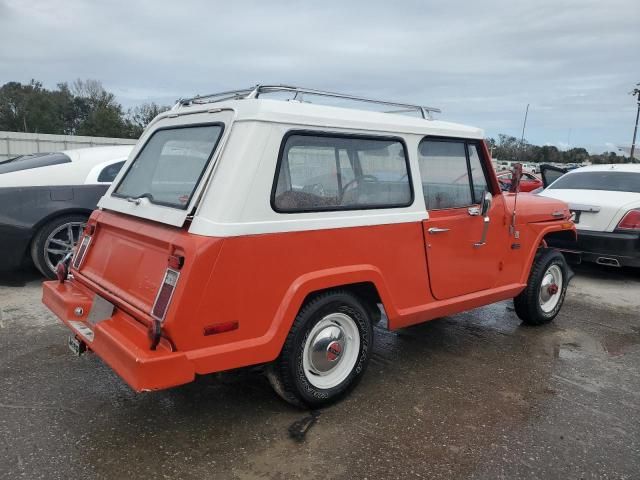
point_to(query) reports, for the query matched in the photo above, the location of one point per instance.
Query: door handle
(434, 230)
(485, 228)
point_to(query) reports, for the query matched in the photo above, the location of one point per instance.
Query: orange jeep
(247, 230)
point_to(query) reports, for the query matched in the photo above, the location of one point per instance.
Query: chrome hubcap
(60, 242)
(331, 350)
(550, 289)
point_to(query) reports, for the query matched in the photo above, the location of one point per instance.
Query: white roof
(298, 113)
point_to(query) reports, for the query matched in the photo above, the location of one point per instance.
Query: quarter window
(109, 173)
(478, 179)
(451, 172)
(318, 172)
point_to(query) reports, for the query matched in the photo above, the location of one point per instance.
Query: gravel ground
(476, 395)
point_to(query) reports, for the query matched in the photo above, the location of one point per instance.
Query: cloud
(482, 62)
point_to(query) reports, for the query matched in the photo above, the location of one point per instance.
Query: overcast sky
(481, 61)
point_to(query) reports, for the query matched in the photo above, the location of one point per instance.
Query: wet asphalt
(476, 395)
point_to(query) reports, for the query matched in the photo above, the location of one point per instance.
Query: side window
(451, 172)
(313, 170)
(479, 181)
(341, 173)
(109, 173)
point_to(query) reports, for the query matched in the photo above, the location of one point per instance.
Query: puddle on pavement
(612, 345)
(569, 351)
(616, 344)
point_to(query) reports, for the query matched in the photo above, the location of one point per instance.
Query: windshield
(168, 168)
(611, 181)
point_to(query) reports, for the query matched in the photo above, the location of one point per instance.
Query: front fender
(542, 229)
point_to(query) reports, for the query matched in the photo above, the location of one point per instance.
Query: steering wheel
(357, 180)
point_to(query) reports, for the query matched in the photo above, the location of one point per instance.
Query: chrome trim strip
(584, 208)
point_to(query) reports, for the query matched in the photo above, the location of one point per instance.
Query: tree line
(511, 148)
(83, 107)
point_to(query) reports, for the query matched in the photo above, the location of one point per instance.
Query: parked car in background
(528, 183)
(605, 201)
(46, 199)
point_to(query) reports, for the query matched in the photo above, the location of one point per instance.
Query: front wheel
(326, 351)
(541, 300)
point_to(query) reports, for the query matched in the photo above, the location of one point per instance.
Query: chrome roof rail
(298, 93)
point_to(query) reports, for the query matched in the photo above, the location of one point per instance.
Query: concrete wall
(13, 144)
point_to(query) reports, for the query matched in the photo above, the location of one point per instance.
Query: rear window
(326, 172)
(611, 181)
(170, 165)
(27, 162)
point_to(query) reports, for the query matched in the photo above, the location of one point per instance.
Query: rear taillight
(163, 298)
(81, 251)
(631, 221)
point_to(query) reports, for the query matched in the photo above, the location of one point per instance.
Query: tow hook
(155, 334)
(62, 268)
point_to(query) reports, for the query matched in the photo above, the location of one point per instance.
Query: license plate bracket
(77, 346)
(576, 215)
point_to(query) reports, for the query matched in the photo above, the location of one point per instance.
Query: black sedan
(45, 200)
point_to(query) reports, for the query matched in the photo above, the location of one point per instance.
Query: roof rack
(256, 91)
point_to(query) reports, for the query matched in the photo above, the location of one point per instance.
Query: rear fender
(319, 280)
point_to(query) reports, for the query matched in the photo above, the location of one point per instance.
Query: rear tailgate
(128, 257)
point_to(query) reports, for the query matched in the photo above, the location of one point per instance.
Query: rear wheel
(54, 240)
(326, 352)
(541, 300)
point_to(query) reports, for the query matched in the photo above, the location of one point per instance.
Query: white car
(605, 200)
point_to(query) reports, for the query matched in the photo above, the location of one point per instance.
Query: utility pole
(636, 92)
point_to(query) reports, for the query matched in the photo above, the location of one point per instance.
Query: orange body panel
(261, 281)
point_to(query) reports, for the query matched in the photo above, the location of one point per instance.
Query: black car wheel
(54, 240)
(326, 351)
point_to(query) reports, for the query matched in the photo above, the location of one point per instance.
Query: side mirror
(487, 199)
(516, 176)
